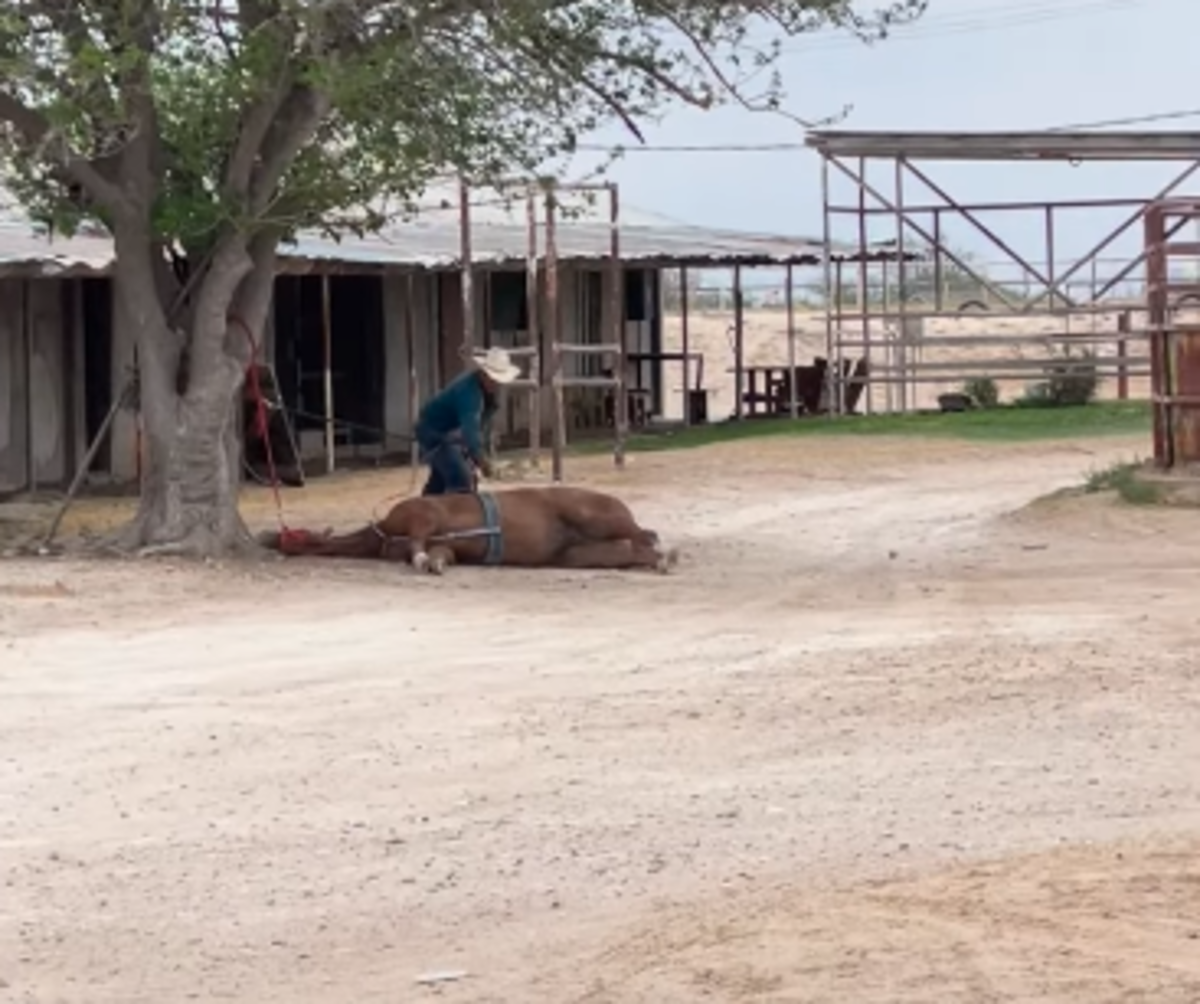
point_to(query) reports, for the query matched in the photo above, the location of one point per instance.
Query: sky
(965, 65)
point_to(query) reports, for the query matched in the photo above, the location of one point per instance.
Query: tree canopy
(278, 114)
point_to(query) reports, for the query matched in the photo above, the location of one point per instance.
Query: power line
(1009, 16)
(1136, 120)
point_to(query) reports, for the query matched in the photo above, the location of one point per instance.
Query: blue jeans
(449, 471)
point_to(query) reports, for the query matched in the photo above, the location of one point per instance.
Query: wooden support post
(793, 402)
(468, 292)
(31, 475)
(327, 346)
(619, 332)
(739, 342)
(685, 345)
(554, 336)
(531, 309)
(410, 342)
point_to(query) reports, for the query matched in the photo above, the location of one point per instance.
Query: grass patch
(1123, 479)
(1002, 424)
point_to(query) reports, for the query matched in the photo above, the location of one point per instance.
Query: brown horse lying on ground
(530, 527)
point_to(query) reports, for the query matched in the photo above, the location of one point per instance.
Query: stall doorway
(97, 309)
(357, 337)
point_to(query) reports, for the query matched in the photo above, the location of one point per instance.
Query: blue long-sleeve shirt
(460, 406)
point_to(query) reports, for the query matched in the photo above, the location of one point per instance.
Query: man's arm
(489, 413)
(471, 405)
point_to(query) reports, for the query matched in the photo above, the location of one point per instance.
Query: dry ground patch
(891, 733)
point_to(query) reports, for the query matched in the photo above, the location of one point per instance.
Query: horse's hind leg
(616, 554)
(417, 530)
(612, 521)
(441, 557)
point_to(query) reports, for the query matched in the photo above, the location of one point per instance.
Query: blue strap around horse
(491, 528)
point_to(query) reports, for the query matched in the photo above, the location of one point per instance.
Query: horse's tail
(364, 543)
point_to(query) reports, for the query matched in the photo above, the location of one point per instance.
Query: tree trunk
(190, 482)
(191, 471)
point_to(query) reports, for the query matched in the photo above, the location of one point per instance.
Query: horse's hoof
(420, 562)
(437, 566)
(667, 560)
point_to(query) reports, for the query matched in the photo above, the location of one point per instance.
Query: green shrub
(983, 391)
(1071, 380)
(1123, 479)
(1074, 380)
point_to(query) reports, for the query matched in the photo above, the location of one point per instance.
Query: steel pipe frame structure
(835, 149)
(547, 191)
(1174, 344)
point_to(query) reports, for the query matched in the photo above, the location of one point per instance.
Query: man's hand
(485, 468)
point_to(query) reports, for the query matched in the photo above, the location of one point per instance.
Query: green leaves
(411, 92)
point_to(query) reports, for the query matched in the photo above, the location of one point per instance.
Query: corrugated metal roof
(499, 236)
(435, 246)
(1044, 145)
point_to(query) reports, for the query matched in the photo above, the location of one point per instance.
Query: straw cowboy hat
(496, 364)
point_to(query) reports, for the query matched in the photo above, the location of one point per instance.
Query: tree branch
(50, 147)
(251, 138)
(299, 118)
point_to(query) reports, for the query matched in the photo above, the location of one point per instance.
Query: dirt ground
(898, 729)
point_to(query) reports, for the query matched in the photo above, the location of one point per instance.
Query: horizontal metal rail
(1099, 365)
(576, 349)
(895, 315)
(949, 378)
(584, 381)
(982, 341)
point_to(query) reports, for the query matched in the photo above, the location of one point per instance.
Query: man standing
(454, 425)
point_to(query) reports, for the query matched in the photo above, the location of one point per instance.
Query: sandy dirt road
(890, 733)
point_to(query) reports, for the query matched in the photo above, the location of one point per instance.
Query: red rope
(287, 536)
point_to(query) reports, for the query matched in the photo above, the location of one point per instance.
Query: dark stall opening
(97, 310)
(357, 342)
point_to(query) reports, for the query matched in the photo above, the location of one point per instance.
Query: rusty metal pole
(1123, 355)
(902, 354)
(939, 292)
(617, 307)
(1049, 279)
(1156, 303)
(1175, 359)
(531, 310)
(468, 291)
(553, 336)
